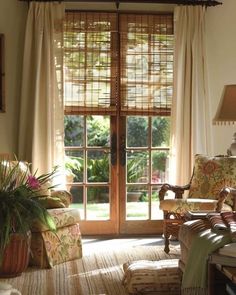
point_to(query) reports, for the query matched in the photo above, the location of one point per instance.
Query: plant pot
(133, 196)
(104, 198)
(16, 256)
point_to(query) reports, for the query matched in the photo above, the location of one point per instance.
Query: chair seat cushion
(152, 277)
(183, 205)
(62, 217)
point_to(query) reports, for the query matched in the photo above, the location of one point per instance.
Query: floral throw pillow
(211, 174)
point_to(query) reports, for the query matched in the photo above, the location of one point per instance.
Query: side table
(221, 280)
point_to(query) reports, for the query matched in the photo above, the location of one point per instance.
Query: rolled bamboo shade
(146, 48)
(90, 62)
(118, 63)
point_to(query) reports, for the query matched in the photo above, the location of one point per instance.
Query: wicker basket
(16, 256)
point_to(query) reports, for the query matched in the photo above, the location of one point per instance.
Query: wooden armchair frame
(219, 172)
(172, 221)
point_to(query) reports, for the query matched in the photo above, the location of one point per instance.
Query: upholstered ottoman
(48, 248)
(152, 277)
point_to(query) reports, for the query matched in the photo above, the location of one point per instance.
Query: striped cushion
(152, 277)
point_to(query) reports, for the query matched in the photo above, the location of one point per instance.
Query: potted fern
(19, 209)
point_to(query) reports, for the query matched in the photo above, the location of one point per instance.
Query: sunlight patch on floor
(94, 245)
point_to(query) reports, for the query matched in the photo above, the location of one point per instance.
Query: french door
(118, 76)
(144, 153)
(91, 163)
(117, 167)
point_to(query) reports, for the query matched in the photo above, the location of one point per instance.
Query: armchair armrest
(177, 189)
(223, 195)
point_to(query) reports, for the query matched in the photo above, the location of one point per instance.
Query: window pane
(74, 162)
(77, 199)
(98, 166)
(137, 203)
(156, 213)
(160, 131)
(159, 166)
(137, 131)
(137, 167)
(98, 131)
(74, 130)
(98, 207)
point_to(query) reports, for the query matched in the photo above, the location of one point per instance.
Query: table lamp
(226, 112)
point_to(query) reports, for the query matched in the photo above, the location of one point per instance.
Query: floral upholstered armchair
(210, 176)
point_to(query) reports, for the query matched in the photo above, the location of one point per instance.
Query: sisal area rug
(96, 274)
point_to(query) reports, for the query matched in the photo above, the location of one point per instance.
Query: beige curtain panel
(191, 127)
(41, 116)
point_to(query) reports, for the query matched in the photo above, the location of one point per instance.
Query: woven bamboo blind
(146, 63)
(118, 63)
(90, 60)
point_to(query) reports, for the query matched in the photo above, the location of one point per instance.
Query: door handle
(122, 151)
(113, 149)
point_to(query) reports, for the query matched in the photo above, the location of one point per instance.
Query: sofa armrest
(176, 189)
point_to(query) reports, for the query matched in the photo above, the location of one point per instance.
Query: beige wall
(221, 53)
(12, 23)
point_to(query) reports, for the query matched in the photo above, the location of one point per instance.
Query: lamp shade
(226, 111)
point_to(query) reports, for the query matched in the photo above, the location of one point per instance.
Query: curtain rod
(117, 2)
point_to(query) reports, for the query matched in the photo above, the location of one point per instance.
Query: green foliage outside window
(73, 126)
(98, 135)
